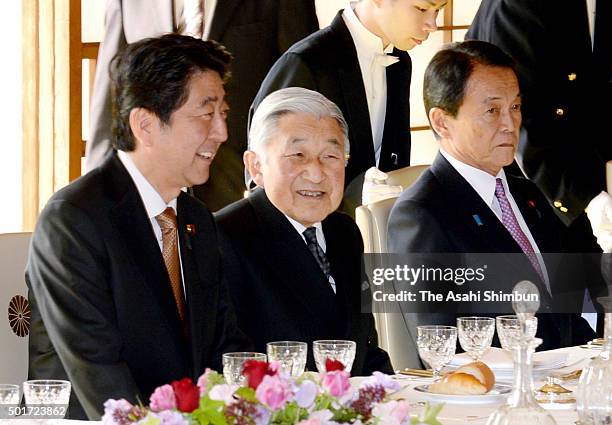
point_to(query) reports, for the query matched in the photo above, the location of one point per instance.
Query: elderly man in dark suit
(124, 269)
(256, 32)
(466, 202)
(564, 67)
(360, 63)
(293, 264)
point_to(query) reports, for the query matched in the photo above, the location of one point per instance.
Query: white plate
(497, 394)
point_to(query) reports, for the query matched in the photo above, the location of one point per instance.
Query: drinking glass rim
(7, 386)
(287, 343)
(477, 319)
(437, 327)
(46, 382)
(334, 342)
(243, 354)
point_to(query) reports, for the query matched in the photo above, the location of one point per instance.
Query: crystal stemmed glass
(50, 396)
(233, 364)
(437, 345)
(509, 330)
(334, 349)
(476, 335)
(291, 356)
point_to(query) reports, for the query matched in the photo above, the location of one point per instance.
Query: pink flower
(320, 417)
(274, 392)
(223, 392)
(116, 411)
(336, 382)
(379, 378)
(392, 413)
(162, 399)
(202, 381)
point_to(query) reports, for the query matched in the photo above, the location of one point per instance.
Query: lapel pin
(477, 219)
(191, 229)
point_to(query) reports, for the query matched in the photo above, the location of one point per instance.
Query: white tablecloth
(454, 413)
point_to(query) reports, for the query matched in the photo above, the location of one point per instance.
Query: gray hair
(291, 100)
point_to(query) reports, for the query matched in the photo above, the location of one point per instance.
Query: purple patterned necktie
(511, 224)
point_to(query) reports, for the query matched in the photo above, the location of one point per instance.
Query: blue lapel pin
(477, 219)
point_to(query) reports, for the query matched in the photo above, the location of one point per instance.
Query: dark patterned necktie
(310, 234)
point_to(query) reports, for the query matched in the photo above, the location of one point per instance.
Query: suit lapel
(486, 231)
(355, 100)
(336, 255)
(291, 261)
(222, 16)
(395, 152)
(200, 260)
(130, 218)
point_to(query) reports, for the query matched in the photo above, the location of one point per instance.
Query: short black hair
(154, 74)
(450, 69)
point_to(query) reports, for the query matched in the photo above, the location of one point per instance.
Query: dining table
(477, 414)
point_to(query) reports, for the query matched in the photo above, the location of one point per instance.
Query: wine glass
(509, 330)
(334, 349)
(291, 356)
(233, 364)
(476, 335)
(437, 345)
(48, 398)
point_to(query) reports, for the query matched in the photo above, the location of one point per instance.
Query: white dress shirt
(484, 184)
(369, 49)
(299, 227)
(209, 10)
(153, 202)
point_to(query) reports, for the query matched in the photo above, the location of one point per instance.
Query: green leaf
(210, 412)
(247, 393)
(289, 415)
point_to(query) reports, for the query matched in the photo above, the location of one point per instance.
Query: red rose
(187, 395)
(255, 370)
(332, 365)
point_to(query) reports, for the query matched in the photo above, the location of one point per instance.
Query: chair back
(393, 328)
(15, 318)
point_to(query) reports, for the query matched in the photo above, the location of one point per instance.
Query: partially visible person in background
(360, 62)
(564, 55)
(255, 32)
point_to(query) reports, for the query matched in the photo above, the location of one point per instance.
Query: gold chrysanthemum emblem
(19, 315)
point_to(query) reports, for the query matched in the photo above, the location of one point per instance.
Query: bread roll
(471, 379)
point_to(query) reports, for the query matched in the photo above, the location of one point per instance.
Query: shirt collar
(152, 200)
(366, 43)
(300, 229)
(481, 181)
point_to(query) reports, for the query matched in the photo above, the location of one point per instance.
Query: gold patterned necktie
(167, 223)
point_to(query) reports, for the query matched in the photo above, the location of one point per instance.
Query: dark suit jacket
(256, 32)
(566, 87)
(103, 314)
(437, 215)
(278, 289)
(327, 62)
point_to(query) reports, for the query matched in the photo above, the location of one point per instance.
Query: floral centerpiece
(272, 397)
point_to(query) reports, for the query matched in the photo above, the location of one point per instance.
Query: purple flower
(379, 378)
(166, 417)
(336, 382)
(274, 392)
(306, 394)
(116, 412)
(320, 417)
(202, 381)
(162, 399)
